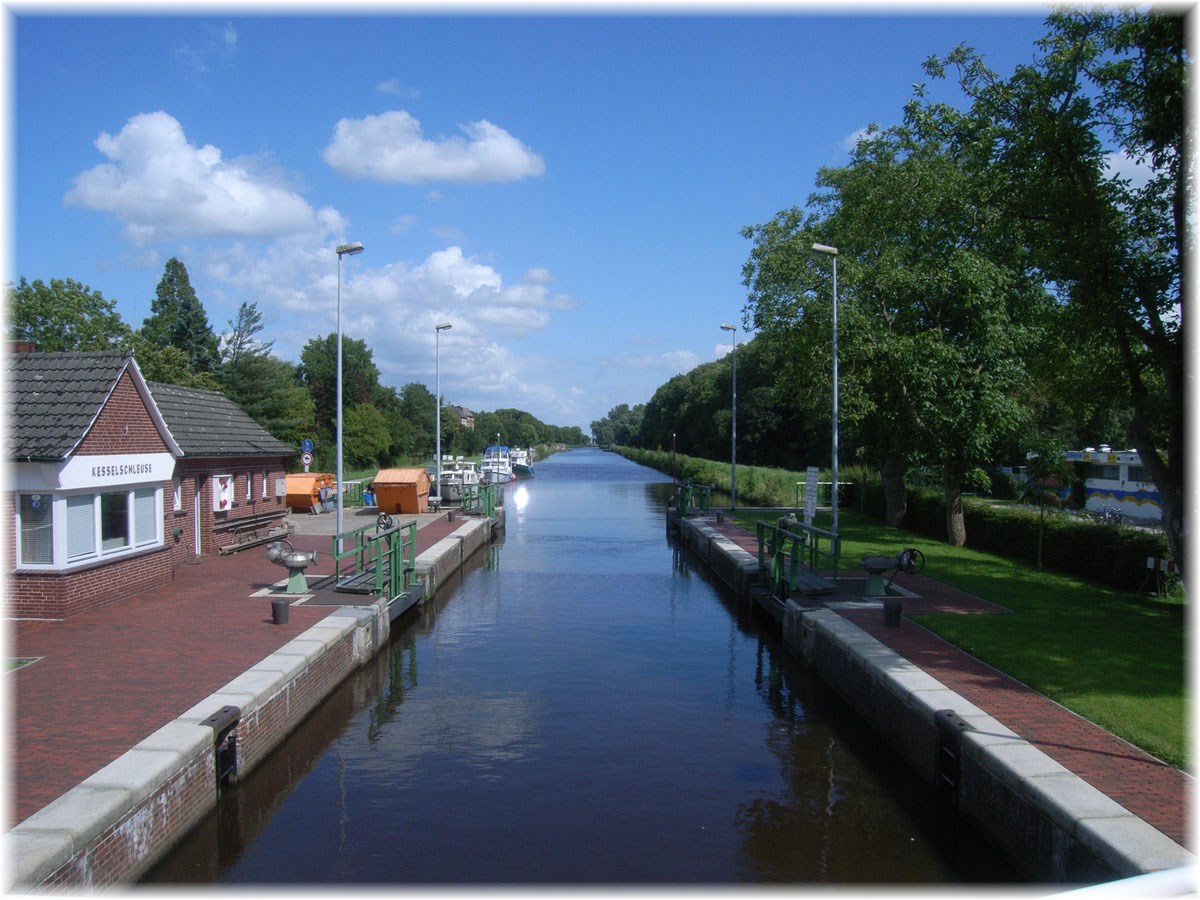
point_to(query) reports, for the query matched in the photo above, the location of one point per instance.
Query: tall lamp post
(343, 250)
(833, 252)
(733, 437)
(437, 368)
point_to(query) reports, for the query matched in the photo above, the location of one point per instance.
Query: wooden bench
(249, 531)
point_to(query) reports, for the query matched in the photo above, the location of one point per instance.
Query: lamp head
(825, 248)
(349, 249)
(725, 327)
(442, 326)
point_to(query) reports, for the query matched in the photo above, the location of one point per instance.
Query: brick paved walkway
(1149, 788)
(105, 680)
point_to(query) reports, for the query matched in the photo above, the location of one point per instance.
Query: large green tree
(935, 313)
(64, 315)
(267, 388)
(318, 373)
(1109, 85)
(177, 319)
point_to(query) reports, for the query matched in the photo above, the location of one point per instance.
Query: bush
(977, 481)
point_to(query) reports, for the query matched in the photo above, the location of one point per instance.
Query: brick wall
(128, 848)
(123, 426)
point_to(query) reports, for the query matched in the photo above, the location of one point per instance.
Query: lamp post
(437, 368)
(833, 252)
(733, 437)
(343, 250)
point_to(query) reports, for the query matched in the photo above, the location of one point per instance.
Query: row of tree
(293, 401)
(1001, 287)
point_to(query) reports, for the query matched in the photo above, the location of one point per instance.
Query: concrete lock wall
(1050, 822)
(113, 826)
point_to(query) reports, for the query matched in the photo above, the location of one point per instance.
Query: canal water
(583, 706)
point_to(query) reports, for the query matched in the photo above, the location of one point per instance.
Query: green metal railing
(691, 497)
(784, 555)
(480, 499)
(380, 556)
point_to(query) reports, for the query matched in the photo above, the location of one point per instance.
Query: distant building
(466, 418)
(115, 481)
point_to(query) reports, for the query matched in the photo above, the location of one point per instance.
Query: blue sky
(566, 190)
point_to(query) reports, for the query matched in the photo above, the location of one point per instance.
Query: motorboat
(458, 477)
(496, 467)
(522, 463)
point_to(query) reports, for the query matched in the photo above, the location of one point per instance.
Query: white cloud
(1122, 165)
(672, 363)
(391, 147)
(393, 87)
(218, 48)
(162, 186)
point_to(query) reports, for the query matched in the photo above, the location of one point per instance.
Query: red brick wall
(123, 426)
(127, 850)
(212, 535)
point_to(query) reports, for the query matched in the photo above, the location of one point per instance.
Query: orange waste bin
(402, 491)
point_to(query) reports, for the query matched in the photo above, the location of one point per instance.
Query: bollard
(279, 612)
(891, 613)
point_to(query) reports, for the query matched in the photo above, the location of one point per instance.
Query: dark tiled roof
(207, 423)
(55, 397)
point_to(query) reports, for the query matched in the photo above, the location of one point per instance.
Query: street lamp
(343, 250)
(832, 251)
(437, 368)
(733, 437)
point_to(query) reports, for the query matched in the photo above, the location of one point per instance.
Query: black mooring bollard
(891, 613)
(279, 612)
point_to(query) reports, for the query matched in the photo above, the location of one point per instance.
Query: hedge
(1114, 556)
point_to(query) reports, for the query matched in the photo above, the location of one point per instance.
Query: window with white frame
(36, 529)
(249, 486)
(61, 531)
(264, 485)
(177, 494)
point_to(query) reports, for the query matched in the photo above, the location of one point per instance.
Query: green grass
(1114, 658)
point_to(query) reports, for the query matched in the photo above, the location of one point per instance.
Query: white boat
(496, 467)
(522, 463)
(457, 477)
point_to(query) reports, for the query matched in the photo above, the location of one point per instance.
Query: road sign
(306, 459)
(306, 445)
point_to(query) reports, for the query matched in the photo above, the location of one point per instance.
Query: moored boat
(458, 476)
(496, 467)
(522, 463)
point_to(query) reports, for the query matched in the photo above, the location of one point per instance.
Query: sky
(565, 186)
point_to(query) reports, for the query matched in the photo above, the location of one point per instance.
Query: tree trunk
(956, 526)
(895, 494)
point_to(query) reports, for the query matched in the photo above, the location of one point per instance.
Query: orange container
(304, 489)
(402, 491)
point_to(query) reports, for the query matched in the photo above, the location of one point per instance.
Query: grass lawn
(1114, 658)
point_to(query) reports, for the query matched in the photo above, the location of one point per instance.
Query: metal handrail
(386, 550)
(691, 497)
(782, 553)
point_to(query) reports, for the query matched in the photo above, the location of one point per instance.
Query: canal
(583, 706)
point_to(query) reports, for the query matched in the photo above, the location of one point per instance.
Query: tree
(365, 440)
(242, 342)
(620, 426)
(318, 372)
(177, 319)
(65, 315)
(1108, 83)
(934, 311)
(169, 364)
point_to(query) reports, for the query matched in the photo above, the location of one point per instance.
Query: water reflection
(592, 711)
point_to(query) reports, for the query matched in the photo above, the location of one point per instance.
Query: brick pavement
(1157, 793)
(105, 680)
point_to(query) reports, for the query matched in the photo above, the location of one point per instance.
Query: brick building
(114, 481)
